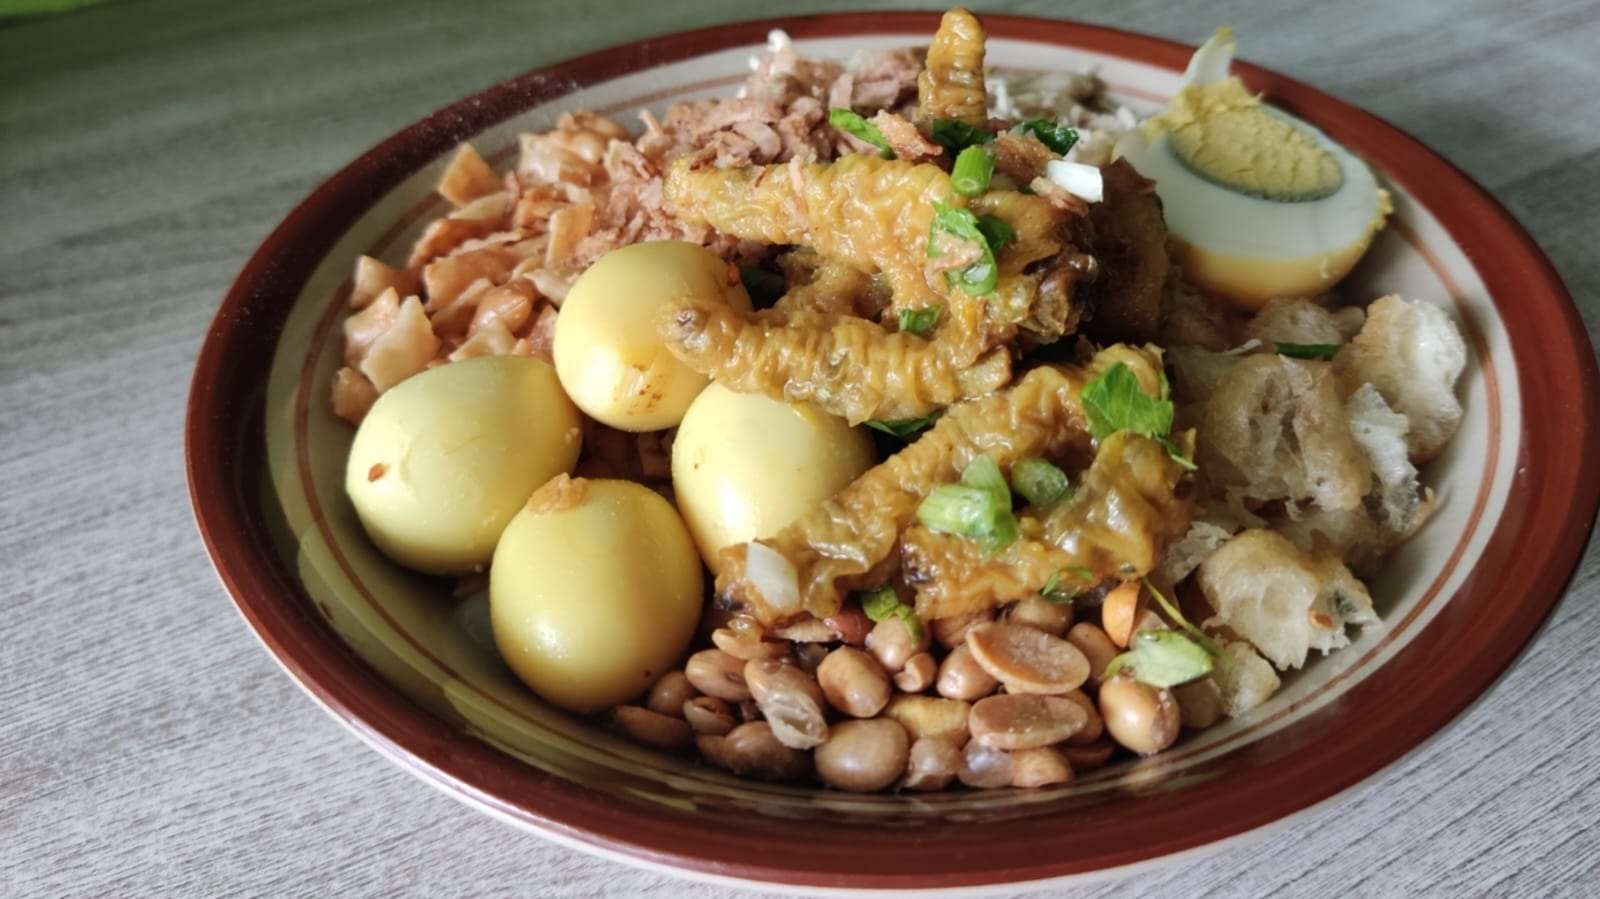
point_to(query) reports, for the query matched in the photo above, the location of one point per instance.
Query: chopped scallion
(1039, 482)
(920, 321)
(1057, 137)
(955, 135)
(972, 171)
(853, 123)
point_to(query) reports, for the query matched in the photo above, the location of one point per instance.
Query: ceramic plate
(415, 674)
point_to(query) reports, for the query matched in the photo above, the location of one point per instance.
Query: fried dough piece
(1125, 511)
(849, 541)
(850, 366)
(951, 83)
(871, 213)
(1130, 242)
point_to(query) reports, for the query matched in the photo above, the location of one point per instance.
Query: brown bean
(952, 632)
(1024, 720)
(863, 755)
(1041, 613)
(1027, 660)
(669, 693)
(1199, 703)
(927, 716)
(1118, 610)
(892, 643)
(1093, 727)
(1040, 767)
(850, 624)
(747, 646)
(715, 673)
(1139, 716)
(985, 767)
(752, 750)
(918, 674)
(652, 728)
(709, 715)
(1091, 756)
(790, 700)
(932, 764)
(854, 682)
(1095, 646)
(1148, 620)
(961, 677)
(749, 711)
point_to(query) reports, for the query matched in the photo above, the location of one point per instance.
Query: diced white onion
(773, 576)
(1076, 178)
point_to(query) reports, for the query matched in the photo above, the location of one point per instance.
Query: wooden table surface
(149, 746)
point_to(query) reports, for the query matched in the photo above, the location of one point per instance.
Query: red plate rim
(1532, 554)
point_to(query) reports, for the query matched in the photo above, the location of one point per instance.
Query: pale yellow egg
(745, 465)
(609, 352)
(445, 458)
(594, 592)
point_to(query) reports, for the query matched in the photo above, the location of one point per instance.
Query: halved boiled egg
(1259, 203)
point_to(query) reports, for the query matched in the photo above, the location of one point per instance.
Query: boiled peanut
(669, 693)
(952, 632)
(652, 728)
(1024, 720)
(961, 677)
(918, 674)
(1096, 647)
(809, 656)
(892, 643)
(1118, 610)
(1090, 756)
(709, 715)
(1038, 612)
(752, 750)
(1093, 727)
(927, 716)
(1139, 716)
(932, 764)
(715, 673)
(850, 624)
(747, 646)
(1199, 703)
(806, 630)
(1039, 767)
(1027, 660)
(854, 682)
(985, 767)
(790, 700)
(863, 755)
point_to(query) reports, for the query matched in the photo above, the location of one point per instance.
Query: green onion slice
(852, 122)
(972, 171)
(1039, 482)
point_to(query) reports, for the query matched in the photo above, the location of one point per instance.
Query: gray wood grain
(150, 747)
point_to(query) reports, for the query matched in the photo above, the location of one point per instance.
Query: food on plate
(594, 592)
(745, 465)
(1259, 203)
(608, 351)
(443, 461)
(939, 428)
